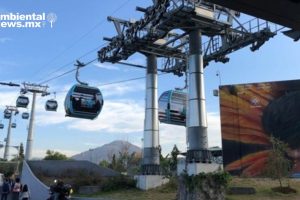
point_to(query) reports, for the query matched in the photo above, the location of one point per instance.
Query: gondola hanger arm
(79, 65)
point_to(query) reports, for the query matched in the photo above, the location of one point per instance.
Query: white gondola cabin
(172, 107)
(83, 101)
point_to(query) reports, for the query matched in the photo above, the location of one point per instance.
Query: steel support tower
(175, 30)
(196, 126)
(34, 89)
(150, 161)
(14, 111)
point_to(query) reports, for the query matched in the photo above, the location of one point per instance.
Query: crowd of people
(14, 190)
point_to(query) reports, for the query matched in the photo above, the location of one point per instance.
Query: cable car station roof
(283, 12)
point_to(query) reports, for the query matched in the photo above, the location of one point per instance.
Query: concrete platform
(196, 168)
(146, 182)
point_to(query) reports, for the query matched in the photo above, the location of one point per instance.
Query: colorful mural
(250, 114)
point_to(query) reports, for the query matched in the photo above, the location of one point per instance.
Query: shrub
(117, 183)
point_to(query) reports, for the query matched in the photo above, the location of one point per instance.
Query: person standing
(5, 189)
(16, 189)
(25, 194)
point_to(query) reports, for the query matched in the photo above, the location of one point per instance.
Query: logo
(31, 20)
(255, 102)
(51, 17)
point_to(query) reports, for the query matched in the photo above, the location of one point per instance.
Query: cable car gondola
(22, 101)
(51, 105)
(83, 101)
(25, 115)
(172, 107)
(13, 125)
(7, 114)
(1, 126)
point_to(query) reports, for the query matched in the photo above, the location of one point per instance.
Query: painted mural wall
(250, 114)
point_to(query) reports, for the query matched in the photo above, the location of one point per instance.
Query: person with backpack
(5, 189)
(25, 194)
(16, 189)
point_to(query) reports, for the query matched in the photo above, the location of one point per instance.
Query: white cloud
(8, 98)
(121, 88)
(171, 134)
(106, 66)
(44, 118)
(117, 116)
(214, 129)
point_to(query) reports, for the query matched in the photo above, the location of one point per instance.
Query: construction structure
(188, 35)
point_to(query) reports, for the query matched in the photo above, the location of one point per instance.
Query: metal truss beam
(154, 34)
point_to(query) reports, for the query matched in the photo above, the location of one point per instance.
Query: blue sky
(34, 55)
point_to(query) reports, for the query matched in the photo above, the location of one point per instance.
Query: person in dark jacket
(5, 190)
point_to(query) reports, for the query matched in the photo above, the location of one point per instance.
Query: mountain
(106, 151)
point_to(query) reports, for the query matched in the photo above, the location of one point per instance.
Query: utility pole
(13, 111)
(34, 89)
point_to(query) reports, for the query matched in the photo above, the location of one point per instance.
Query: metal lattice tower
(34, 89)
(174, 30)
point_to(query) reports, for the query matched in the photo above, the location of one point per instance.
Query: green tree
(278, 165)
(113, 164)
(104, 163)
(20, 156)
(54, 155)
(164, 163)
(173, 161)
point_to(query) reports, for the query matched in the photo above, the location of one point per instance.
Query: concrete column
(7, 144)
(28, 152)
(150, 164)
(197, 141)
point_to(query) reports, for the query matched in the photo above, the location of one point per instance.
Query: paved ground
(9, 197)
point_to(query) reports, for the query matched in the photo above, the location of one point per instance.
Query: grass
(263, 189)
(168, 192)
(135, 194)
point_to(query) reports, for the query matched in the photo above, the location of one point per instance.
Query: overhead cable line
(117, 82)
(127, 80)
(71, 62)
(72, 70)
(67, 72)
(81, 38)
